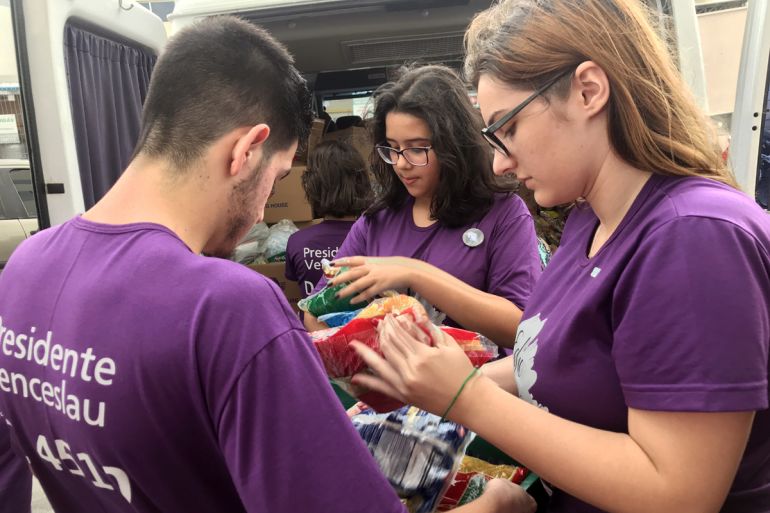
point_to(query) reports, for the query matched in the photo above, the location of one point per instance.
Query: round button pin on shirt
(473, 237)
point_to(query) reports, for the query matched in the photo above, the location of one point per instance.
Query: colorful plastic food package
(325, 301)
(342, 362)
(392, 303)
(472, 477)
(338, 319)
(417, 451)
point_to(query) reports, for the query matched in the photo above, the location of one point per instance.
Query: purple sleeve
(353, 245)
(289, 444)
(691, 319)
(292, 257)
(514, 262)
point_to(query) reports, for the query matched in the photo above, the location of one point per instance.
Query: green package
(325, 301)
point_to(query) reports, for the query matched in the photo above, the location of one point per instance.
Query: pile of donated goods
(421, 454)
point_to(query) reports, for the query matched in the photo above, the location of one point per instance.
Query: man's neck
(149, 192)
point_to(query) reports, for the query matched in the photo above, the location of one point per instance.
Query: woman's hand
(493, 316)
(369, 276)
(312, 323)
(501, 372)
(507, 497)
(412, 371)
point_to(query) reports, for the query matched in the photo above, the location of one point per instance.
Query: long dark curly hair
(439, 97)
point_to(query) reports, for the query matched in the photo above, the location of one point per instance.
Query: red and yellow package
(394, 304)
(342, 362)
(471, 479)
(339, 359)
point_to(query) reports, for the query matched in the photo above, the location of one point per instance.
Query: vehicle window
(22, 180)
(13, 138)
(4, 214)
(352, 105)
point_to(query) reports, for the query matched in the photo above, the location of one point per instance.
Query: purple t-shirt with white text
(671, 314)
(505, 264)
(141, 377)
(306, 249)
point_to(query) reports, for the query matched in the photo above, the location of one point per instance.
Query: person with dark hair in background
(442, 228)
(138, 375)
(641, 360)
(337, 185)
(329, 126)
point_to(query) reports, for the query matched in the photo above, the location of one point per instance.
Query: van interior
(345, 49)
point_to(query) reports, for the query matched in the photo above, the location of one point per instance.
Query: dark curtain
(108, 82)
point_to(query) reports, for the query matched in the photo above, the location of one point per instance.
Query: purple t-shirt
(15, 476)
(162, 381)
(306, 249)
(672, 314)
(505, 264)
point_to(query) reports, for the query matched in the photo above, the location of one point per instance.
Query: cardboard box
(288, 201)
(315, 137)
(357, 137)
(275, 272)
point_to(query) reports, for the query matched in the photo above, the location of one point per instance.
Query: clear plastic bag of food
(277, 239)
(418, 452)
(250, 249)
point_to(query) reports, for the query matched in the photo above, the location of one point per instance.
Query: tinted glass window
(22, 180)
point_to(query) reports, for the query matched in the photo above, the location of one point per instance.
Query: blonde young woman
(639, 380)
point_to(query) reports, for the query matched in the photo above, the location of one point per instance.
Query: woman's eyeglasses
(416, 156)
(489, 132)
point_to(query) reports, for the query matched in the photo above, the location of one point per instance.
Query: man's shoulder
(226, 280)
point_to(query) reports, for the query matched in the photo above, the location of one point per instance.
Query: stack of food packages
(421, 454)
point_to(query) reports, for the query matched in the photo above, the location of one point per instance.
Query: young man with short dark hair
(138, 375)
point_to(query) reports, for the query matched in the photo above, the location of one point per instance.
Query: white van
(344, 47)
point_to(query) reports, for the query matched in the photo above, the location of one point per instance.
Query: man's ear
(246, 147)
(593, 87)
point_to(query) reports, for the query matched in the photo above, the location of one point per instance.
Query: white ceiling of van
(330, 35)
(208, 7)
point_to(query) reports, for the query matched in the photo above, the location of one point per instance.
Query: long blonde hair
(654, 121)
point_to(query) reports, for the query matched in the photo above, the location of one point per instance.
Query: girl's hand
(501, 372)
(507, 497)
(369, 276)
(413, 372)
(312, 323)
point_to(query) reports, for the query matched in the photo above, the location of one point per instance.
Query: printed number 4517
(66, 460)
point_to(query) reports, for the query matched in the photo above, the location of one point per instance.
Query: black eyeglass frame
(489, 132)
(382, 147)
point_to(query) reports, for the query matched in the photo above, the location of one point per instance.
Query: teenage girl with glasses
(639, 380)
(441, 228)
